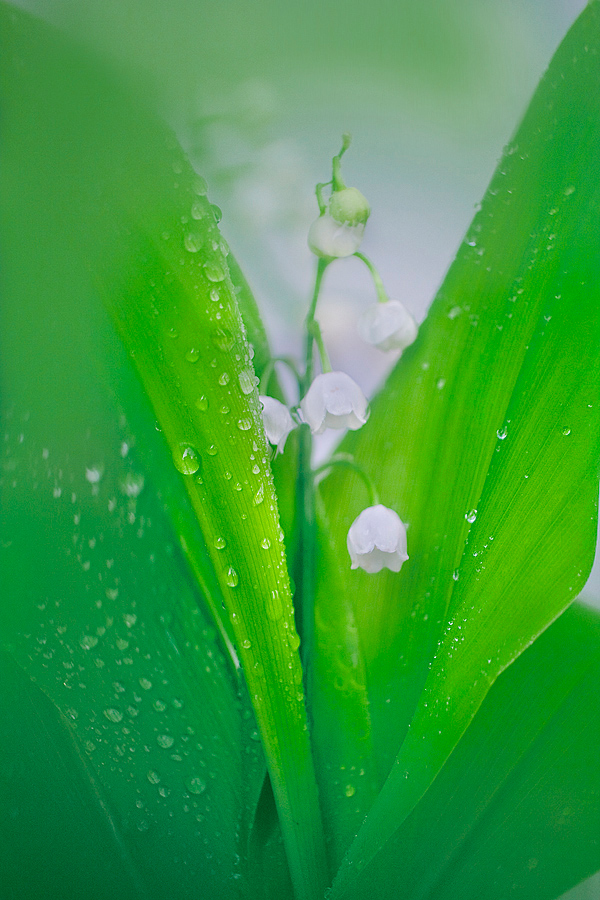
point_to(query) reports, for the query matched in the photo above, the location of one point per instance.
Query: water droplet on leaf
(186, 459)
(193, 242)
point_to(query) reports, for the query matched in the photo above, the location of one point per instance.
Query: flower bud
(277, 421)
(334, 400)
(329, 238)
(377, 540)
(349, 206)
(388, 326)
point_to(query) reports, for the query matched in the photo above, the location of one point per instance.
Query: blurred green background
(260, 92)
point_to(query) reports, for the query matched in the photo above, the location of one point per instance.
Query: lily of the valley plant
(225, 672)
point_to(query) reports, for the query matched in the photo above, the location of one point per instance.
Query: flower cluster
(332, 400)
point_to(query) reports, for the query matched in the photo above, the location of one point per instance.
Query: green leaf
(101, 612)
(496, 410)
(104, 204)
(515, 810)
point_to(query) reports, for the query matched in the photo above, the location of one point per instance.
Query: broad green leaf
(100, 611)
(81, 851)
(494, 438)
(339, 704)
(515, 811)
(103, 197)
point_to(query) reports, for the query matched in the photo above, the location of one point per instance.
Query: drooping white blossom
(329, 238)
(334, 400)
(388, 326)
(277, 421)
(377, 540)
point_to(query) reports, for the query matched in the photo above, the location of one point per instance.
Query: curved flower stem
(309, 324)
(348, 461)
(320, 199)
(315, 329)
(270, 368)
(337, 180)
(305, 490)
(382, 296)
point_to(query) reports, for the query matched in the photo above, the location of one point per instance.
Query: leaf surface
(516, 809)
(485, 440)
(105, 207)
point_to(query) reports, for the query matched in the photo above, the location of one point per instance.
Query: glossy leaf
(515, 811)
(105, 199)
(496, 414)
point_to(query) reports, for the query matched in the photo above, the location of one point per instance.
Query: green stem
(348, 461)
(337, 180)
(305, 490)
(382, 296)
(270, 368)
(318, 337)
(320, 199)
(310, 318)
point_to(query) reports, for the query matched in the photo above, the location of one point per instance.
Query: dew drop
(132, 484)
(246, 380)
(265, 543)
(501, 433)
(566, 431)
(259, 495)
(246, 644)
(274, 606)
(220, 543)
(94, 474)
(186, 459)
(202, 403)
(232, 578)
(88, 641)
(214, 271)
(193, 355)
(145, 684)
(471, 515)
(349, 790)
(223, 339)
(165, 741)
(218, 215)
(200, 187)
(212, 450)
(153, 777)
(215, 295)
(294, 640)
(113, 715)
(195, 785)
(198, 210)
(224, 378)
(244, 424)
(193, 242)
(455, 575)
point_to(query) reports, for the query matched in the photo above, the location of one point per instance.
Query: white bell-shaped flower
(334, 400)
(277, 421)
(377, 540)
(330, 238)
(388, 326)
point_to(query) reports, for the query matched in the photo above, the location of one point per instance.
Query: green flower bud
(349, 206)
